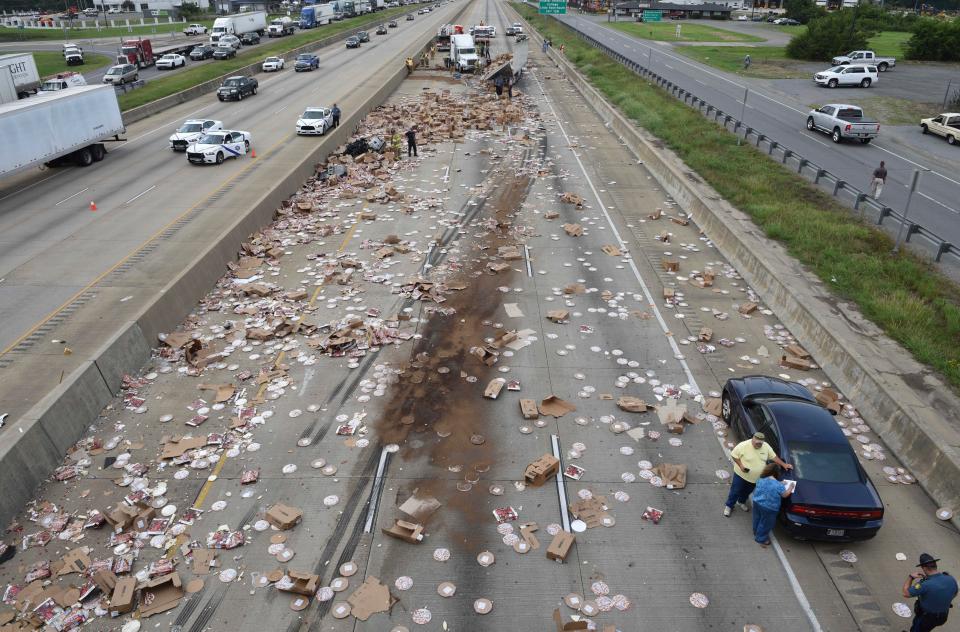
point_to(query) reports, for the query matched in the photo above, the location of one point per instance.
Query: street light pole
(743, 110)
(906, 209)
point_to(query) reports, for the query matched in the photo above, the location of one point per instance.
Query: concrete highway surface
(425, 426)
(934, 206)
(54, 246)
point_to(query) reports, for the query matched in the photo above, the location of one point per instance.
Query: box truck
(239, 24)
(22, 69)
(68, 126)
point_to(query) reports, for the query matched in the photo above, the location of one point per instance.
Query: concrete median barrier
(35, 446)
(903, 401)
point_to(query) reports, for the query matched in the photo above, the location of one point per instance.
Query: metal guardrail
(862, 203)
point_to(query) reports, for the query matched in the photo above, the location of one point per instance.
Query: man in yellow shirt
(749, 458)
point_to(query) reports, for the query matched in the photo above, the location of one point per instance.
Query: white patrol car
(315, 121)
(218, 146)
(191, 131)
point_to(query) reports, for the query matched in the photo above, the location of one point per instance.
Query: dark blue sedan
(306, 61)
(835, 499)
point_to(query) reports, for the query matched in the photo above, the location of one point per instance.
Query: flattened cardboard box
(540, 471)
(283, 516)
(160, 594)
(371, 597)
(560, 546)
(795, 363)
(568, 626)
(494, 387)
(632, 404)
(558, 315)
(123, 595)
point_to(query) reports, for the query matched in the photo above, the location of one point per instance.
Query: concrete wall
(904, 403)
(62, 417)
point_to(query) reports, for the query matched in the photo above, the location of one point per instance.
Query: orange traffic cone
(93, 206)
(253, 153)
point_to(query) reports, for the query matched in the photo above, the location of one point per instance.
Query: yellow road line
(40, 323)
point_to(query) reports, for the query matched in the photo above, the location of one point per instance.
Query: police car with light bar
(216, 147)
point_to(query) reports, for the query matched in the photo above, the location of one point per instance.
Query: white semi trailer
(68, 126)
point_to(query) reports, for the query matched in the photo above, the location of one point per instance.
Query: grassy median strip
(689, 32)
(766, 62)
(51, 62)
(904, 296)
(159, 88)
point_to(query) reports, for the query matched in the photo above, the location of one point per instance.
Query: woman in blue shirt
(766, 503)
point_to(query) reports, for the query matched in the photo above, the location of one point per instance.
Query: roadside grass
(666, 32)
(8, 34)
(894, 111)
(51, 62)
(889, 43)
(172, 84)
(766, 62)
(790, 30)
(906, 297)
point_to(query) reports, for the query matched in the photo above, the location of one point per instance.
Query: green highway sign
(553, 7)
(652, 16)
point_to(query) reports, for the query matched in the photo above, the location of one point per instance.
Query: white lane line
(938, 202)
(561, 490)
(30, 186)
(281, 109)
(816, 140)
(668, 66)
(794, 584)
(526, 257)
(71, 197)
(915, 164)
(375, 491)
(140, 195)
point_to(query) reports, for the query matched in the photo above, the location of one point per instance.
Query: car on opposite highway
(409, 17)
(191, 131)
(834, 498)
(842, 121)
(195, 29)
(230, 40)
(306, 62)
(171, 61)
(249, 39)
(121, 74)
(392, 24)
(859, 76)
(272, 64)
(789, 22)
(381, 30)
(363, 36)
(216, 147)
(353, 42)
(224, 52)
(315, 121)
(237, 87)
(946, 125)
(201, 52)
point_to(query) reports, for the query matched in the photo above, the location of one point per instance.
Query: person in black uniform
(934, 591)
(336, 116)
(411, 142)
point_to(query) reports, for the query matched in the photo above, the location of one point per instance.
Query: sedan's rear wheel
(726, 409)
(246, 146)
(951, 140)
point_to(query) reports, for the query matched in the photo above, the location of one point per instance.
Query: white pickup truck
(946, 125)
(842, 121)
(864, 57)
(862, 76)
(195, 29)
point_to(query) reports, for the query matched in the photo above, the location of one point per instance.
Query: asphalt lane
(53, 245)
(934, 207)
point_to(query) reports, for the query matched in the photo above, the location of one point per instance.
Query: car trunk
(832, 502)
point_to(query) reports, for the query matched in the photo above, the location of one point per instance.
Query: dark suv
(250, 38)
(363, 36)
(235, 88)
